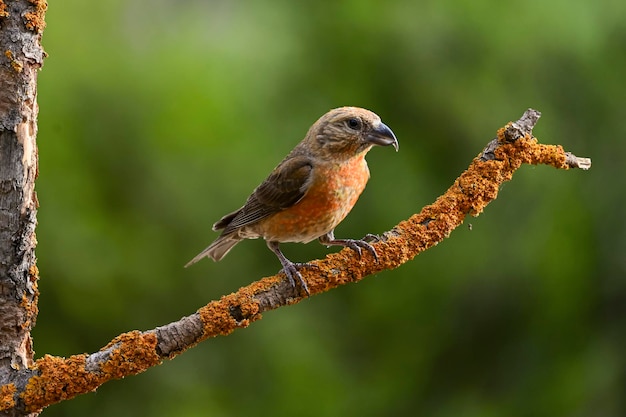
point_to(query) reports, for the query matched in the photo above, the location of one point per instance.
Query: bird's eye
(354, 123)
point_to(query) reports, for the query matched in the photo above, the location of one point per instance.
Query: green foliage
(159, 117)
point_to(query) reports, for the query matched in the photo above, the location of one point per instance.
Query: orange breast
(334, 190)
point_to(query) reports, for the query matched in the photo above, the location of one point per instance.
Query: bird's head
(349, 131)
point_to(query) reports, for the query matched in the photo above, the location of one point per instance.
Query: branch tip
(573, 161)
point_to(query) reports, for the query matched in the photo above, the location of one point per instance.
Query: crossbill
(310, 191)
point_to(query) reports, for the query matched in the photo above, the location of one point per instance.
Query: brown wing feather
(285, 186)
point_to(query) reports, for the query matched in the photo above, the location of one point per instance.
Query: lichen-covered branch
(53, 379)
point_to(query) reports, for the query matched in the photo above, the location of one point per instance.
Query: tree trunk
(21, 23)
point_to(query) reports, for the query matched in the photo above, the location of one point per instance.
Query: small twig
(512, 132)
(573, 161)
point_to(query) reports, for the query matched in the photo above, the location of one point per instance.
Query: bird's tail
(218, 249)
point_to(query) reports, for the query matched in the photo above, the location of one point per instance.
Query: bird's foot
(354, 244)
(292, 271)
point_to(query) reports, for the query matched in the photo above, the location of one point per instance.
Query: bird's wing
(285, 186)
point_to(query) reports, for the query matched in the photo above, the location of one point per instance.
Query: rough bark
(52, 379)
(21, 23)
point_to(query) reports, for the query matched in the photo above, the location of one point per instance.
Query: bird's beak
(381, 135)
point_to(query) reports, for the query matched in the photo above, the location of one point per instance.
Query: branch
(53, 379)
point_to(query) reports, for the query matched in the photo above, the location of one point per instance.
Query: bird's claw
(357, 246)
(292, 272)
(354, 244)
(372, 238)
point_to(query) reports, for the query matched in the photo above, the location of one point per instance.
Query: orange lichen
(17, 66)
(29, 306)
(217, 317)
(33, 277)
(35, 20)
(134, 352)
(3, 9)
(59, 378)
(28, 303)
(7, 396)
(33, 273)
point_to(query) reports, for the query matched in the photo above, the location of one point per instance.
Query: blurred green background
(158, 117)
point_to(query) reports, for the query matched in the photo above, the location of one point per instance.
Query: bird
(309, 192)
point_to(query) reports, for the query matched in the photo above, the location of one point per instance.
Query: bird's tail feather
(218, 249)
